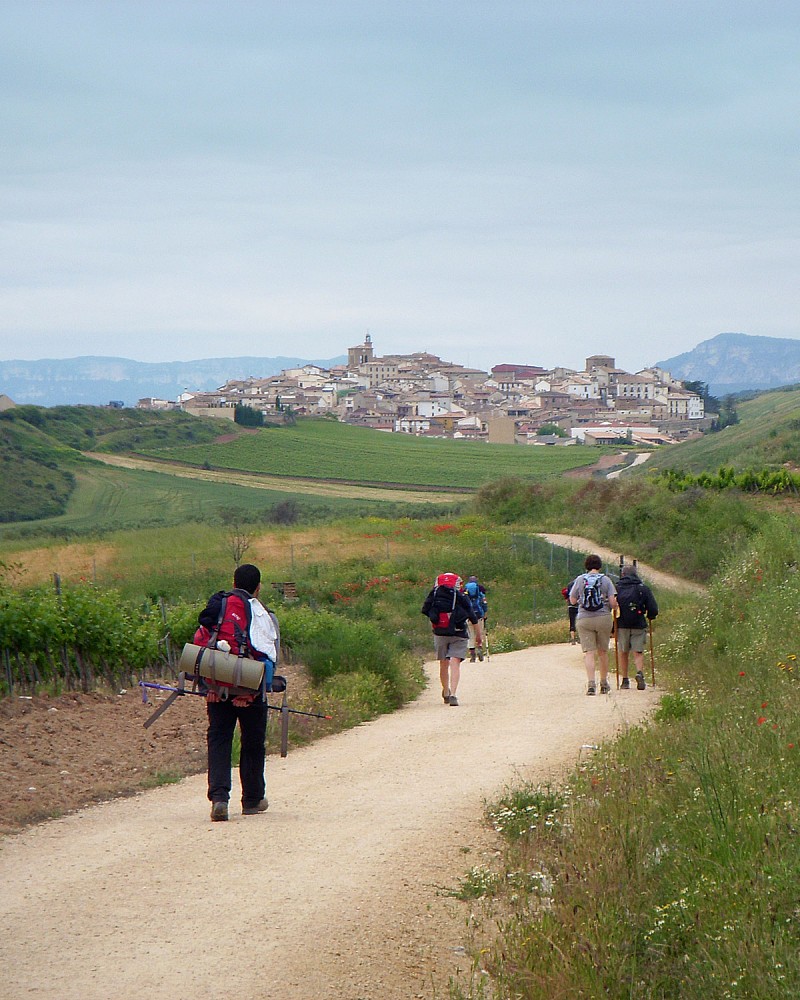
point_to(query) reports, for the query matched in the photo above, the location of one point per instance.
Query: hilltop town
(423, 395)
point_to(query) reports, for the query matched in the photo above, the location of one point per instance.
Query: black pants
(573, 614)
(222, 716)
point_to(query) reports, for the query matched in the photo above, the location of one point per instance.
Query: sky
(495, 182)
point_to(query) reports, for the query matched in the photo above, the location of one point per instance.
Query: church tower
(357, 356)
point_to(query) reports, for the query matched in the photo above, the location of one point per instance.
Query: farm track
(344, 488)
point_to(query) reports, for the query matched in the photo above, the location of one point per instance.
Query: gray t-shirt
(607, 590)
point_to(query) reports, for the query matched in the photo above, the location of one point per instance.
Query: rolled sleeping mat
(220, 667)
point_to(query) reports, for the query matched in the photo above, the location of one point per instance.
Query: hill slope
(767, 435)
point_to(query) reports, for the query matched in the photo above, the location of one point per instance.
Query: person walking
(594, 595)
(637, 607)
(232, 620)
(572, 613)
(449, 609)
(476, 593)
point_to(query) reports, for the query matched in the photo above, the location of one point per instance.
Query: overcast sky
(499, 181)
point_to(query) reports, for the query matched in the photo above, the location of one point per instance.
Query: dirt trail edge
(649, 575)
(335, 892)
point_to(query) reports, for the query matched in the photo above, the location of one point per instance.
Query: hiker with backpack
(236, 621)
(594, 595)
(637, 607)
(476, 593)
(449, 609)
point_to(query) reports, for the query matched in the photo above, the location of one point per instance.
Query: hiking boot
(640, 684)
(480, 654)
(446, 697)
(605, 687)
(453, 701)
(262, 807)
(472, 656)
(590, 688)
(625, 684)
(219, 812)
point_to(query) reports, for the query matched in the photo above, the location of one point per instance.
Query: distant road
(641, 456)
(285, 484)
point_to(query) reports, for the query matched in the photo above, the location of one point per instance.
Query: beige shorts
(631, 640)
(594, 632)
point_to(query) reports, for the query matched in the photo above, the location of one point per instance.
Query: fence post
(9, 675)
(167, 637)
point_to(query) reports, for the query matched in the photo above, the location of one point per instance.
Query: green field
(767, 435)
(324, 449)
(108, 499)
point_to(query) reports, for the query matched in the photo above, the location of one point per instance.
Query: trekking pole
(652, 655)
(486, 640)
(616, 645)
(284, 726)
(178, 691)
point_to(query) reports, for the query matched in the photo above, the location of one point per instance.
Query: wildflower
(764, 704)
(761, 720)
(741, 673)
(791, 746)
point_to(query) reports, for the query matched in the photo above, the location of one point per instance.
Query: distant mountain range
(736, 362)
(98, 381)
(729, 362)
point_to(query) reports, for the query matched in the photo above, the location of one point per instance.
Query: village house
(424, 395)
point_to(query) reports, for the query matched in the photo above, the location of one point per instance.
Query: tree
(247, 416)
(238, 533)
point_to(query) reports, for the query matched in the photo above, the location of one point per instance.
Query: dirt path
(649, 575)
(334, 893)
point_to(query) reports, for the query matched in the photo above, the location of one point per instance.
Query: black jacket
(457, 607)
(636, 603)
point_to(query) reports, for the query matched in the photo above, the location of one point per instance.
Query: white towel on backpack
(263, 634)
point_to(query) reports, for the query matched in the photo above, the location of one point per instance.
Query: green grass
(325, 449)
(767, 435)
(107, 499)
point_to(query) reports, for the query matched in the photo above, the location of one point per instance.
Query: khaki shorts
(448, 646)
(594, 632)
(631, 640)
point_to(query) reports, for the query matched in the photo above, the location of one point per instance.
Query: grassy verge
(667, 867)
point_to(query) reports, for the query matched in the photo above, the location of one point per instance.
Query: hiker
(449, 610)
(637, 607)
(243, 621)
(594, 595)
(572, 612)
(476, 593)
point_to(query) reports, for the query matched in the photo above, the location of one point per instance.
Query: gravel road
(335, 892)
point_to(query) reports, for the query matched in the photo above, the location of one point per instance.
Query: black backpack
(592, 597)
(442, 607)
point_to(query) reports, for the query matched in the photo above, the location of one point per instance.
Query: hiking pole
(652, 655)
(284, 726)
(178, 691)
(615, 621)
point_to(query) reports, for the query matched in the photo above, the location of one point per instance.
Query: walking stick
(652, 655)
(616, 646)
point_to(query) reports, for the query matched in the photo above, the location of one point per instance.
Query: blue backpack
(477, 598)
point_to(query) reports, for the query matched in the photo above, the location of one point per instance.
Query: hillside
(37, 472)
(40, 449)
(737, 362)
(98, 380)
(767, 435)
